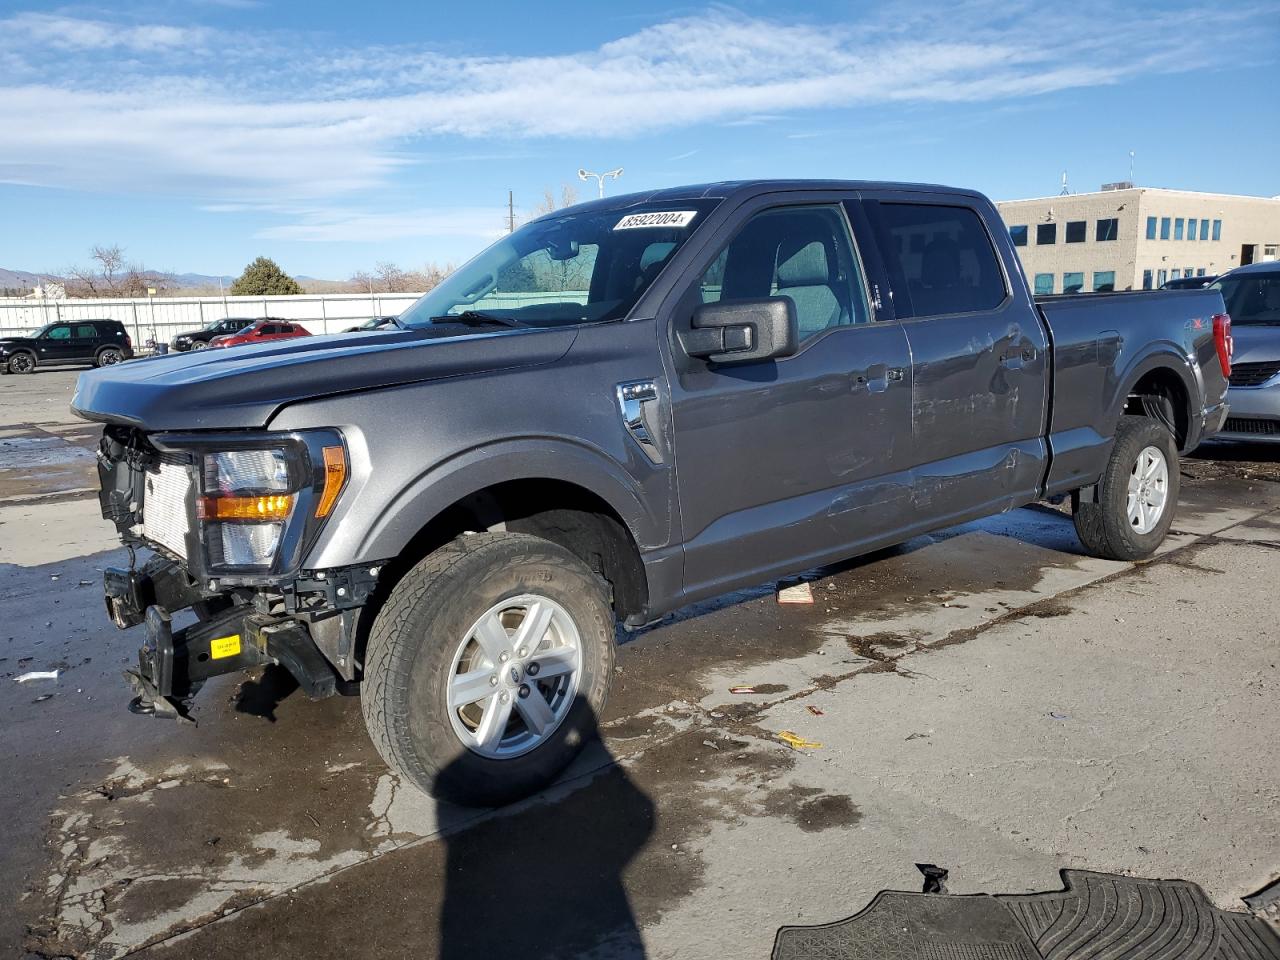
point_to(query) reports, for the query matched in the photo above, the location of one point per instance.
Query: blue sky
(199, 134)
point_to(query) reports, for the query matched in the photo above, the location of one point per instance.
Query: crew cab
(621, 408)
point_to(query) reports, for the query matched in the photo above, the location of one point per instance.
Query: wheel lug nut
(523, 691)
(532, 669)
(493, 681)
(506, 697)
(504, 657)
(524, 651)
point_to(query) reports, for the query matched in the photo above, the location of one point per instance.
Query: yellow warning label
(224, 646)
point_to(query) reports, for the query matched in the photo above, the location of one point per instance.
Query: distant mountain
(21, 279)
(199, 280)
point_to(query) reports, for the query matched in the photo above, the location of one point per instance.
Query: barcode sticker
(665, 218)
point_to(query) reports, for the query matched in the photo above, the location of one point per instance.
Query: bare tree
(551, 203)
(110, 262)
(392, 278)
(113, 276)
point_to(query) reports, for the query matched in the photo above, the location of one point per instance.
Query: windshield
(1252, 298)
(585, 267)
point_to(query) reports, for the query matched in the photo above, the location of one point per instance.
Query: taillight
(1224, 342)
(128, 341)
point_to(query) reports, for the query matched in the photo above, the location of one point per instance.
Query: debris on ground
(1058, 716)
(742, 688)
(796, 593)
(814, 710)
(918, 736)
(37, 675)
(797, 742)
(43, 697)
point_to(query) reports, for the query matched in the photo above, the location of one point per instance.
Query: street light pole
(600, 178)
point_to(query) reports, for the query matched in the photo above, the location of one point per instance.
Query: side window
(60, 333)
(267, 329)
(803, 253)
(940, 259)
(86, 330)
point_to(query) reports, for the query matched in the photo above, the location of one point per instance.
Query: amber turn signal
(335, 478)
(270, 507)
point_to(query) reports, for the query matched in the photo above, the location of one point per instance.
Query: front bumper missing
(174, 665)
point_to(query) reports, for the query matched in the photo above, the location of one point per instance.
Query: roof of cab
(740, 189)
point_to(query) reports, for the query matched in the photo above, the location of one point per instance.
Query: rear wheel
(487, 667)
(198, 345)
(1136, 497)
(22, 363)
(109, 356)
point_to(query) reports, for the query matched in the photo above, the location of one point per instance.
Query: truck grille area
(1252, 425)
(1253, 374)
(164, 504)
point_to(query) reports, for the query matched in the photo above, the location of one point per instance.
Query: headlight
(262, 501)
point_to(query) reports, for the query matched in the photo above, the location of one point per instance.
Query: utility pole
(511, 212)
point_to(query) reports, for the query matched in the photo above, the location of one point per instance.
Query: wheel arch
(1161, 385)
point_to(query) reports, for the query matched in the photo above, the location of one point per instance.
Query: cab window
(803, 253)
(86, 330)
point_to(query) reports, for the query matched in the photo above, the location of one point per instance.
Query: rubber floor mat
(1097, 916)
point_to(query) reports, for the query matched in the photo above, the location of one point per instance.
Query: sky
(331, 135)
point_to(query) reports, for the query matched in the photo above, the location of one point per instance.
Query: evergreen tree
(264, 278)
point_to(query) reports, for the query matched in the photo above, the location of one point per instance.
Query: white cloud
(309, 122)
(360, 227)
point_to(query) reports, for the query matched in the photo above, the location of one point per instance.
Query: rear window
(940, 260)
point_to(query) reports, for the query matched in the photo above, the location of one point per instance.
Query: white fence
(162, 317)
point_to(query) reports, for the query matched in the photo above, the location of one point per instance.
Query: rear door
(979, 367)
(785, 463)
(85, 340)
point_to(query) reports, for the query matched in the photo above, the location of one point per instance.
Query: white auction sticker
(665, 218)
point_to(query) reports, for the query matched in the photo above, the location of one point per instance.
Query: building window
(1104, 281)
(1044, 284)
(1269, 251)
(1072, 282)
(1217, 229)
(1075, 231)
(1018, 235)
(1164, 228)
(1151, 228)
(1161, 277)
(1187, 272)
(1204, 230)
(1146, 279)
(1046, 233)
(1174, 274)
(1200, 272)
(1177, 229)
(1191, 228)
(1108, 229)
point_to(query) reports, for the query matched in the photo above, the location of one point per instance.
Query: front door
(979, 401)
(782, 464)
(56, 345)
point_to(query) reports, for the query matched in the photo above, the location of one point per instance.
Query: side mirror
(741, 331)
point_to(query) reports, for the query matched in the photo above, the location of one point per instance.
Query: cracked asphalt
(986, 698)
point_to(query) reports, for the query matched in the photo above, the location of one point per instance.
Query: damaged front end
(228, 518)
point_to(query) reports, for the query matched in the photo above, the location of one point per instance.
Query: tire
(428, 634)
(108, 357)
(22, 363)
(1107, 528)
(198, 345)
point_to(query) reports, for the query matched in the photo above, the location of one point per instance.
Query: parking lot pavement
(986, 699)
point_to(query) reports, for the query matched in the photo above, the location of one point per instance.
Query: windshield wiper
(476, 318)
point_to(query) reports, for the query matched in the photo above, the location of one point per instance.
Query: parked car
(99, 343)
(454, 515)
(374, 323)
(1189, 283)
(261, 332)
(1252, 295)
(199, 339)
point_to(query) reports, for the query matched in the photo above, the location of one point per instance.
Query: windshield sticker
(666, 218)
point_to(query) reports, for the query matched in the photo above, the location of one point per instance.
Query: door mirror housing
(743, 331)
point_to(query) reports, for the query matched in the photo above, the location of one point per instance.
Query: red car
(261, 332)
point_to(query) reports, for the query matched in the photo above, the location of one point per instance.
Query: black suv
(199, 339)
(99, 343)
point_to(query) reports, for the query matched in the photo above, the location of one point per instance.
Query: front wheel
(1136, 496)
(198, 345)
(487, 667)
(22, 363)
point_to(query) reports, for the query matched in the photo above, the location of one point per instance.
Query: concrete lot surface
(986, 699)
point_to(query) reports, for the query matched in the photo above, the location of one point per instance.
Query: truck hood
(243, 387)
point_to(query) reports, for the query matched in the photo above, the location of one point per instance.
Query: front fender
(530, 458)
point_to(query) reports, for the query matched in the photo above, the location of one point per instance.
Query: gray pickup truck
(621, 408)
